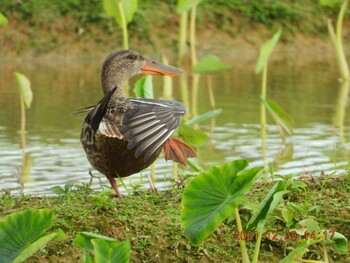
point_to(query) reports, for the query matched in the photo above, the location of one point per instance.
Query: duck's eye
(132, 56)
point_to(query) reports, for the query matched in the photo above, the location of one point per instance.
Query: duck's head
(122, 65)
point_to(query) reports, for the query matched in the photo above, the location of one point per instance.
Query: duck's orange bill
(155, 68)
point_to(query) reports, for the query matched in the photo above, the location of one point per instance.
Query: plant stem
(245, 258)
(263, 113)
(153, 175)
(185, 94)
(211, 93)
(123, 184)
(257, 247)
(336, 38)
(167, 83)
(341, 109)
(193, 35)
(325, 254)
(174, 172)
(195, 83)
(23, 125)
(123, 25)
(342, 58)
(182, 37)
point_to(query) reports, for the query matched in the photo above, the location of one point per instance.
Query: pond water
(309, 92)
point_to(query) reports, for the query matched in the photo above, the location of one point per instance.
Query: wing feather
(150, 123)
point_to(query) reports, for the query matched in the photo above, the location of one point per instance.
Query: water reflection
(54, 155)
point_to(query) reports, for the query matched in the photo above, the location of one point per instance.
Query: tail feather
(178, 151)
(96, 115)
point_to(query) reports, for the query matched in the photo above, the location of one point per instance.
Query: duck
(122, 136)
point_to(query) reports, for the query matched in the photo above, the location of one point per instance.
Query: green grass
(152, 221)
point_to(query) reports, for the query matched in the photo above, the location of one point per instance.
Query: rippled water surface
(310, 93)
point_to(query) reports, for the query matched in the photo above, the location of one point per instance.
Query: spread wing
(150, 123)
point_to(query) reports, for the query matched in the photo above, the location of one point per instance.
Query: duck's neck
(109, 82)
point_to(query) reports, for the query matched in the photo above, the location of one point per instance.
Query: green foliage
(191, 135)
(210, 64)
(24, 89)
(112, 9)
(3, 20)
(83, 240)
(266, 206)
(23, 233)
(185, 5)
(266, 50)
(58, 190)
(279, 115)
(144, 87)
(203, 117)
(213, 195)
(104, 249)
(331, 3)
(335, 239)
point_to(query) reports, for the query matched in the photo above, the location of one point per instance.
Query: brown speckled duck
(122, 136)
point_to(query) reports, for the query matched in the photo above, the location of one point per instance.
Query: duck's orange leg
(114, 184)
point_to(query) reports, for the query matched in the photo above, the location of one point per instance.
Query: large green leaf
(35, 246)
(337, 240)
(279, 115)
(297, 252)
(129, 7)
(111, 251)
(210, 64)
(266, 50)
(23, 233)
(24, 89)
(191, 135)
(267, 205)
(83, 240)
(203, 117)
(213, 195)
(3, 20)
(185, 5)
(144, 87)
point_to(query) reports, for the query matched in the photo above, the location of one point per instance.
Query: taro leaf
(3, 20)
(213, 195)
(287, 214)
(266, 50)
(210, 64)
(297, 252)
(24, 89)
(35, 246)
(338, 241)
(310, 225)
(83, 240)
(203, 117)
(144, 87)
(86, 257)
(191, 135)
(185, 5)
(267, 205)
(279, 115)
(111, 251)
(112, 9)
(23, 233)
(330, 3)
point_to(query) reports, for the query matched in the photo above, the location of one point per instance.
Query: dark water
(310, 93)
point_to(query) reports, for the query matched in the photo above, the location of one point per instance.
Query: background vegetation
(47, 24)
